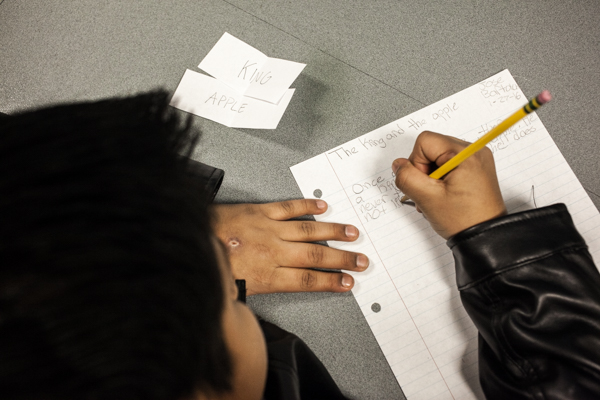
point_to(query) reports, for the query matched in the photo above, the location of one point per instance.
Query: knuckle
(486, 153)
(287, 207)
(401, 179)
(349, 259)
(261, 278)
(338, 231)
(249, 209)
(307, 229)
(264, 278)
(308, 279)
(402, 174)
(334, 280)
(307, 205)
(315, 254)
(425, 135)
(261, 254)
(461, 142)
(483, 157)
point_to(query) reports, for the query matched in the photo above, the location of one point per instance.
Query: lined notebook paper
(408, 295)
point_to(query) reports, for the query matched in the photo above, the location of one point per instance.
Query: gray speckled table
(368, 63)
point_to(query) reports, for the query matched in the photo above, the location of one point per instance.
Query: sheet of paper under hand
(209, 98)
(249, 71)
(408, 295)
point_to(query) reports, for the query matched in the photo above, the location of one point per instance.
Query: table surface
(368, 63)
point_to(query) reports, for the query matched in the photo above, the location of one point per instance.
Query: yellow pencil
(467, 152)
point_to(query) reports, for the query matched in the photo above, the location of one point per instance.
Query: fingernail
(321, 204)
(395, 165)
(351, 231)
(347, 281)
(362, 261)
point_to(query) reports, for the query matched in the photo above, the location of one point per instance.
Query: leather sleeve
(531, 287)
(209, 178)
(295, 372)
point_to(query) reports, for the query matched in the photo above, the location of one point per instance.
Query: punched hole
(376, 307)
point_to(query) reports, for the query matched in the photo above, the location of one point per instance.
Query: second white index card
(248, 71)
(209, 98)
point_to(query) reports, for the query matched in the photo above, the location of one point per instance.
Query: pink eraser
(544, 97)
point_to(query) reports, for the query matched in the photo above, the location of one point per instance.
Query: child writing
(117, 277)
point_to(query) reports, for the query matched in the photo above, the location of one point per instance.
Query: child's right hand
(466, 196)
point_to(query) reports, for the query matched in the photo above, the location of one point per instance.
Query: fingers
(308, 280)
(412, 181)
(311, 231)
(284, 210)
(434, 148)
(431, 150)
(308, 255)
(473, 186)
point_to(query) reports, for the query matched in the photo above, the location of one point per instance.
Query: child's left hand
(274, 255)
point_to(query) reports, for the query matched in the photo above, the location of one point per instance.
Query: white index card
(249, 71)
(209, 98)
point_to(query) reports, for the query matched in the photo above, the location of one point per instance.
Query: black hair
(109, 284)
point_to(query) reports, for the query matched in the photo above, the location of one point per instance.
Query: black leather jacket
(530, 286)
